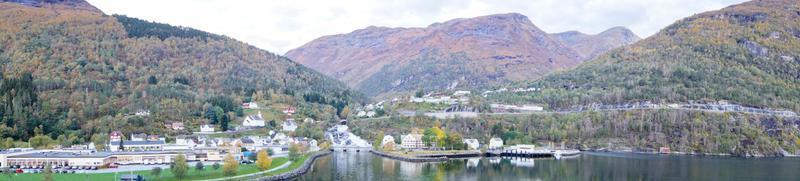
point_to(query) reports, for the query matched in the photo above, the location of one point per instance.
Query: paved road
(623, 109)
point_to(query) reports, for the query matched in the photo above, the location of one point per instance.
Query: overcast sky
(281, 25)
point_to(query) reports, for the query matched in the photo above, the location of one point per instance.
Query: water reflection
(592, 166)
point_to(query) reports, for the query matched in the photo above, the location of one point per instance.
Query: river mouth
(588, 166)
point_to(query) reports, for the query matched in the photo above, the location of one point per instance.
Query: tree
(263, 161)
(156, 171)
(40, 141)
(294, 152)
(378, 140)
(434, 136)
(440, 136)
(9, 143)
(325, 145)
(47, 174)
(215, 166)
(231, 166)
(152, 80)
(180, 167)
(121, 144)
(428, 138)
(345, 112)
(100, 141)
(199, 166)
(224, 122)
(455, 141)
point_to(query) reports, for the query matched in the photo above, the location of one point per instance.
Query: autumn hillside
(74, 70)
(746, 54)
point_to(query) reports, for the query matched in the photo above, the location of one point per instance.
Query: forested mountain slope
(746, 54)
(75, 70)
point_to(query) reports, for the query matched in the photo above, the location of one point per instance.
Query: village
(140, 151)
(208, 145)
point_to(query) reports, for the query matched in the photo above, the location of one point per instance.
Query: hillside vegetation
(746, 54)
(640, 130)
(73, 71)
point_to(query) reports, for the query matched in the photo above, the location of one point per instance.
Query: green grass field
(166, 175)
(292, 166)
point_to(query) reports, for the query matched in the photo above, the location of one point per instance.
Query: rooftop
(128, 142)
(62, 155)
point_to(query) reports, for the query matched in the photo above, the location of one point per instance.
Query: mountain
(69, 69)
(460, 53)
(746, 54)
(73, 4)
(591, 46)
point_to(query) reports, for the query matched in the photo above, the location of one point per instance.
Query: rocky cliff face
(591, 46)
(460, 53)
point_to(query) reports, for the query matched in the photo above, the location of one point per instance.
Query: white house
(138, 137)
(388, 142)
(280, 139)
(461, 93)
(250, 105)
(308, 120)
(495, 143)
(175, 125)
(115, 136)
(142, 112)
(289, 111)
(289, 125)
(411, 141)
(254, 120)
(207, 128)
(137, 145)
(472, 144)
(189, 141)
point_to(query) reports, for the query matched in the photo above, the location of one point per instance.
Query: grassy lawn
(292, 166)
(166, 175)
(256, 132)
(271, 111)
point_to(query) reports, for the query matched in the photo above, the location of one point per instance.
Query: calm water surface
(589, 166)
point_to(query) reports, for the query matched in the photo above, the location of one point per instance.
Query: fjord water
(589, 166)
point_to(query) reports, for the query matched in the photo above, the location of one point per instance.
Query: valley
(89, 94)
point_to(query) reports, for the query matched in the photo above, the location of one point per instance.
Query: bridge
(350, 148)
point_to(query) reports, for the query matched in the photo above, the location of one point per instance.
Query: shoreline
(302, 170)
(409, 159)
(677, 153)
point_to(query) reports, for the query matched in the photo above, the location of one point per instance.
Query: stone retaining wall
(409, 159)
(299, 171)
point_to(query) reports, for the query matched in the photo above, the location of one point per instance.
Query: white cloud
(281, 25)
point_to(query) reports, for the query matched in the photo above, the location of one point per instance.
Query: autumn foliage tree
(230, 166)
(263, 161)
